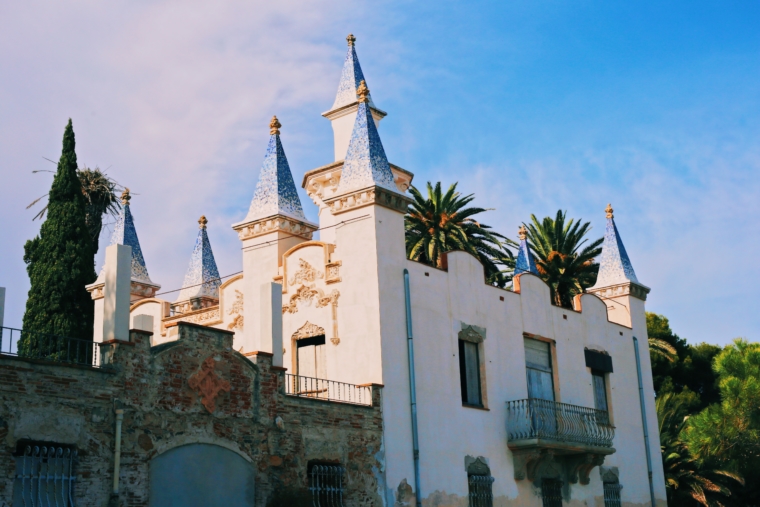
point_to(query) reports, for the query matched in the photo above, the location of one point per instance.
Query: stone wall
(193, 390)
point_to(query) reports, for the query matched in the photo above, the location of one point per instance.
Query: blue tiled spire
(275, 192)
(124, 233)
(614, 265)
(202, 277)
(365, 163)
(350, 78)
(525, 262)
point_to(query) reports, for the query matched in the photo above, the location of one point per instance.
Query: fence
(329, 390)
(45, 476)
(61, 349)
(546, 419)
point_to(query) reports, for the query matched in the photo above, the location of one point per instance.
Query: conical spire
(202, 277)
(275, 192)
(124, 233)
(614, 265)
(350, 78)
(525, 262)
(365, 164)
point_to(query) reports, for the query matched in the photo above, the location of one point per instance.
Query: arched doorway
(201, 475)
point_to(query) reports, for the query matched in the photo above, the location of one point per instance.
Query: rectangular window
(480, 490)
(469, 373)
(44, 475)
(551, 493)
(600, 390)
(538, 365)
(311, 357)
(612, 494)
(326, 484)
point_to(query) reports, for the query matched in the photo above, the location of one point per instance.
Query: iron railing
(326, 485)
(545, 419)
(329, 390)
(481, 491)
(45, 476)
(61, 349)
(612, 494)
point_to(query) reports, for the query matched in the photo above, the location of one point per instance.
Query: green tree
(728, 433)
(442, 222)
(687, 481)
(60, 261)
(561, 258)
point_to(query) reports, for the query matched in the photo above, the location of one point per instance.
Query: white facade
(348, 290)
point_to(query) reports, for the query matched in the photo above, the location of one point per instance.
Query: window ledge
(478, 407)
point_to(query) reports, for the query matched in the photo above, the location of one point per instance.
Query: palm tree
(661, 348)
(562, 261)
(100, 195)
(442, 222)
(687, 481)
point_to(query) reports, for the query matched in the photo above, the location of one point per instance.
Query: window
(469, 372)
(326, 484)
(538, 365)
(44, 475)
(311, 357)
(612, 494)
(480, 490)
(551, 492)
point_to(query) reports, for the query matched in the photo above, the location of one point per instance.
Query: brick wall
(75, 405)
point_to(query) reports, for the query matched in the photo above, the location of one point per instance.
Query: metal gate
(326, 485)
(612, 494)
(481, 491)
(45, 477)
(551, 493)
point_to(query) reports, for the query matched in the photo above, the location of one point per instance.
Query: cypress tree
(60, 262)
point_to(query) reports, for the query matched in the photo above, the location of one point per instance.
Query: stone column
(117, 271)
(271, 321)
(2, 305)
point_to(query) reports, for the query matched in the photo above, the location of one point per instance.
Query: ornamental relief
(305, 274)
(237, 311)
(308, 330)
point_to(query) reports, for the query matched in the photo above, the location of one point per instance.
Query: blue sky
(533, 106)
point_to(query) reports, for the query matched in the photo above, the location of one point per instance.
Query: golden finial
(351, 39)
(522, 232)
(125, 197)
(363, 92)
(274, 126)
(202, 222)
(609, 211)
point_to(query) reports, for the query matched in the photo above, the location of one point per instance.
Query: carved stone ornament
(536, 464)
(476, 466)
(368, 196)
(305, 274)
(208, 384)
(267, 225)
(308, 330)
(237, 311)
(304, 294)
(469, 334)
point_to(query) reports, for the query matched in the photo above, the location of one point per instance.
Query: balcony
(543, 433)
(328, 390)
(49, 348)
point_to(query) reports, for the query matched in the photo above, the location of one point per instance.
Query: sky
(533, 106)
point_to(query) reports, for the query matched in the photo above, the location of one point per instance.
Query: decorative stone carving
(308, 330)
(367, 196)
(331, 298)
(237, 311)
(624, 289)
(579, 466)
(333, 272)
(208, 384)
(267, 225)
(305, 274)
(609, 474)
(469, 334)
(535, 464)
(476, 466)
(304, 294)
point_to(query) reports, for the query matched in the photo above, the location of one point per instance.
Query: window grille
(481, 491)
(551, 493)
(326, 485)
(612, 494)
(45, 476)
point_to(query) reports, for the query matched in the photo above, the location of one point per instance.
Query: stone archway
(201, 475)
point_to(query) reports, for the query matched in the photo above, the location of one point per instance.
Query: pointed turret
(525, 262)
(202, 277)
(616, 274)
(344, 109)
(365, 164)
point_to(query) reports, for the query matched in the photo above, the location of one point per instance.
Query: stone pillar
(2, 306)
(142, 322)
(270, 318)
(117, 271)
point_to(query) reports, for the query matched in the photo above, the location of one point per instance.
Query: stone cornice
(374, 195)
(632, 289)
(144, 290)
(379, 114)
(277, 223)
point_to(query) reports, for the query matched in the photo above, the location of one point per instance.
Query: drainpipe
(644, 419)
(117, 451)
(412, 390)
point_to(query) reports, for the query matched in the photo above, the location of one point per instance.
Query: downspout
(644, 420)
(412, 390)
(117, 451)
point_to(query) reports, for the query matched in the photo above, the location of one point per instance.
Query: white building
(518, 402)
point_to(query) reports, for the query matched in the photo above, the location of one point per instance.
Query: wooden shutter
(538, 366)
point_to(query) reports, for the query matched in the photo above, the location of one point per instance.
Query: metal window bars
(45, 477)
(326, 485)
(481, 491)
(60, 349)
(545, 419)
(551, 493)
(329, 390)
(612, 494)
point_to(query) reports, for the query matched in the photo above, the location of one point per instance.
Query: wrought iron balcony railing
(60, 349)
(568, 424)
(329, 390)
